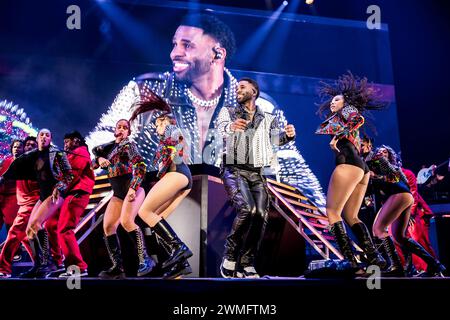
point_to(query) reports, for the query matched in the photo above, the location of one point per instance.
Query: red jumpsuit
(61, 230)
(8, 199)
(420, 215)
(27, 196)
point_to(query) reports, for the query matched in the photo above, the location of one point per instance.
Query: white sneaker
(249, 273)
(68, 274)
(227, 268)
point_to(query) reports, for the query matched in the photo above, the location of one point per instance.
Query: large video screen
(66, 79)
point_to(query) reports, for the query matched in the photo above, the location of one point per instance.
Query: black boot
(116, 271)
(365, 241)
(43, 264)
(434, 267)
(179, 269)
(36, 253)
(396, 268)
(410, 269)
(343, 242)
(178, 250)
(146, 263)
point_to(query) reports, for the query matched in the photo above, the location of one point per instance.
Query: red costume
(8, 200)
(420, 215)
(61, 230)
(27, 196)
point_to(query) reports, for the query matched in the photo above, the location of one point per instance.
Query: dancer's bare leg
(389, 212)
(130, 210)
(41, 212)
(166, 210)
(400, 226)
(111, 218)
(164, 190)
(343, 181)
(353, 204)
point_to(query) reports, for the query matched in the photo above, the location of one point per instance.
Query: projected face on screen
(192, 53)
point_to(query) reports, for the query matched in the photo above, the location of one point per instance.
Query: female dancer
(347, 99)
(126, 170)
(175, 182)
(395, 212)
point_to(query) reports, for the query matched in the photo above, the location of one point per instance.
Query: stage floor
(265, 298)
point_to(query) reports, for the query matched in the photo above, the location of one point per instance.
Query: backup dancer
(346, 100)
(174, 184)
(395, 213)
(126, 171)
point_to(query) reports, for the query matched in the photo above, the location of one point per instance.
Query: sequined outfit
(344, 124)
(389, 178)
(127, 168)
(170, 154)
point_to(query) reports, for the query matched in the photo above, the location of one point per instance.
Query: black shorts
(43, 196)
(44, 193)
(184, 169)
(349, 155)
(388, 189)
(120, 185)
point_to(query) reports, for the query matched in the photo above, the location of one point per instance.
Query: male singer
(250, 136)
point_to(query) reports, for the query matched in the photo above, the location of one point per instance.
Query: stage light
(309, 1)
(249, 51)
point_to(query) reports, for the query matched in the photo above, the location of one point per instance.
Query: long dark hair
(151, 101)
(357, 92)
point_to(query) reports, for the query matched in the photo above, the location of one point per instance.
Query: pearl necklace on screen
(208, 104)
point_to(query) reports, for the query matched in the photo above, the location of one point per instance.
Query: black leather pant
(248, 194)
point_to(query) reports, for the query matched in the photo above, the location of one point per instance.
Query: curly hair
(151, 102)
(77, 135)
(393, 157)
(28, 139)
(213, 27)
(357, 92)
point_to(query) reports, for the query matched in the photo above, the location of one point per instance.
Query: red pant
(61, 231)
(8, 209)
(419, 232)
(16, 234)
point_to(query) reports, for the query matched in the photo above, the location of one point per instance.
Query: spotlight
(285, 3)
(309, 1)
